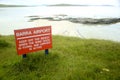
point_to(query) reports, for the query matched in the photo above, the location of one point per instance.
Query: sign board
(33, 39)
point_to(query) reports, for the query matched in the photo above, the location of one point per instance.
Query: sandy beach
(59, 27)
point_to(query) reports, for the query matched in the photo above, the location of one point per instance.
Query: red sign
(33, 39)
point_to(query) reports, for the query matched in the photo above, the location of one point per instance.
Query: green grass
(69, 59)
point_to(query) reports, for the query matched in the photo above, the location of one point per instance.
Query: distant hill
(5, 5)
(62, 5)
(75, 5)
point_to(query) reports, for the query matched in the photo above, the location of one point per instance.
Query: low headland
(63, 4)
(62, 17)
(6, 5)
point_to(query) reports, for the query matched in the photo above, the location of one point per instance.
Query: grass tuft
(3, 44)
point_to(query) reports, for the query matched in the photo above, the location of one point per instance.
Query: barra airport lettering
(35, 32)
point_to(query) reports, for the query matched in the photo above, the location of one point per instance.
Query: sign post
(24, 55)
(33, 39)
(46, 51)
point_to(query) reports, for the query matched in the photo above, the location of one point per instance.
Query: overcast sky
(40, 2)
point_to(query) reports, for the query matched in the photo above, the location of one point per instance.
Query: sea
(12, 18)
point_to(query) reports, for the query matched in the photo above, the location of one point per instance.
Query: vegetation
(69, 59)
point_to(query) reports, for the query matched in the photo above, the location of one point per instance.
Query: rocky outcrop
(95, 21)
(77, 20)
